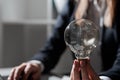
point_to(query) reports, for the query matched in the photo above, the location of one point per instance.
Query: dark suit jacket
(110, 48)
(55, 45)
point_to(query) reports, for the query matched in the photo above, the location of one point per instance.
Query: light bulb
(82, 37)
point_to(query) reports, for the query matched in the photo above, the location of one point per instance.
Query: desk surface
(4, 72)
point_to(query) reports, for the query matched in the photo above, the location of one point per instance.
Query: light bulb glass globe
(82, 37)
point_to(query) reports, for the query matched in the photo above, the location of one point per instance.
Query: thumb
(92, 74)
(75, 72)
(83, 66)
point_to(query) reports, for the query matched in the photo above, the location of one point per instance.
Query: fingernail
(83, 63)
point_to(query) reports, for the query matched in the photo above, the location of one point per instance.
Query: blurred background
(25, 26)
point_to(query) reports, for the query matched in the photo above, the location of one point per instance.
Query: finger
(10, 77)
(18, 71)
(28, 70)
(35, 76)
(75, 72)
(92, 74)
(32, 72)
(83, 66)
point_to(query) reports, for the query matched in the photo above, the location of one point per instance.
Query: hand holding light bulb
(82, 37)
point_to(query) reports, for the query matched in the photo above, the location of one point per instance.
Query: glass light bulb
(82, 37)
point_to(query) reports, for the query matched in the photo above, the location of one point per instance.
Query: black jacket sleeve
(114, 71)
(55, 45)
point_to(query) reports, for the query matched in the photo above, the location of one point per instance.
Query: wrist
(39, 63)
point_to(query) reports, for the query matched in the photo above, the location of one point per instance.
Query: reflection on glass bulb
(82, 37)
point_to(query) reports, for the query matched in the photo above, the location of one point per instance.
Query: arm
(114, 72)
(55, 45)
(50, 53)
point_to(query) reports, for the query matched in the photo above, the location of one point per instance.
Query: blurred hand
(25, 71)
(82, 70)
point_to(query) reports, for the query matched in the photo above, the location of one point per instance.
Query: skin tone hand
(26, 71)
(83, 68)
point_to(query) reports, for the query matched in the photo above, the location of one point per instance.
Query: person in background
(110, 45)
(47, 58)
